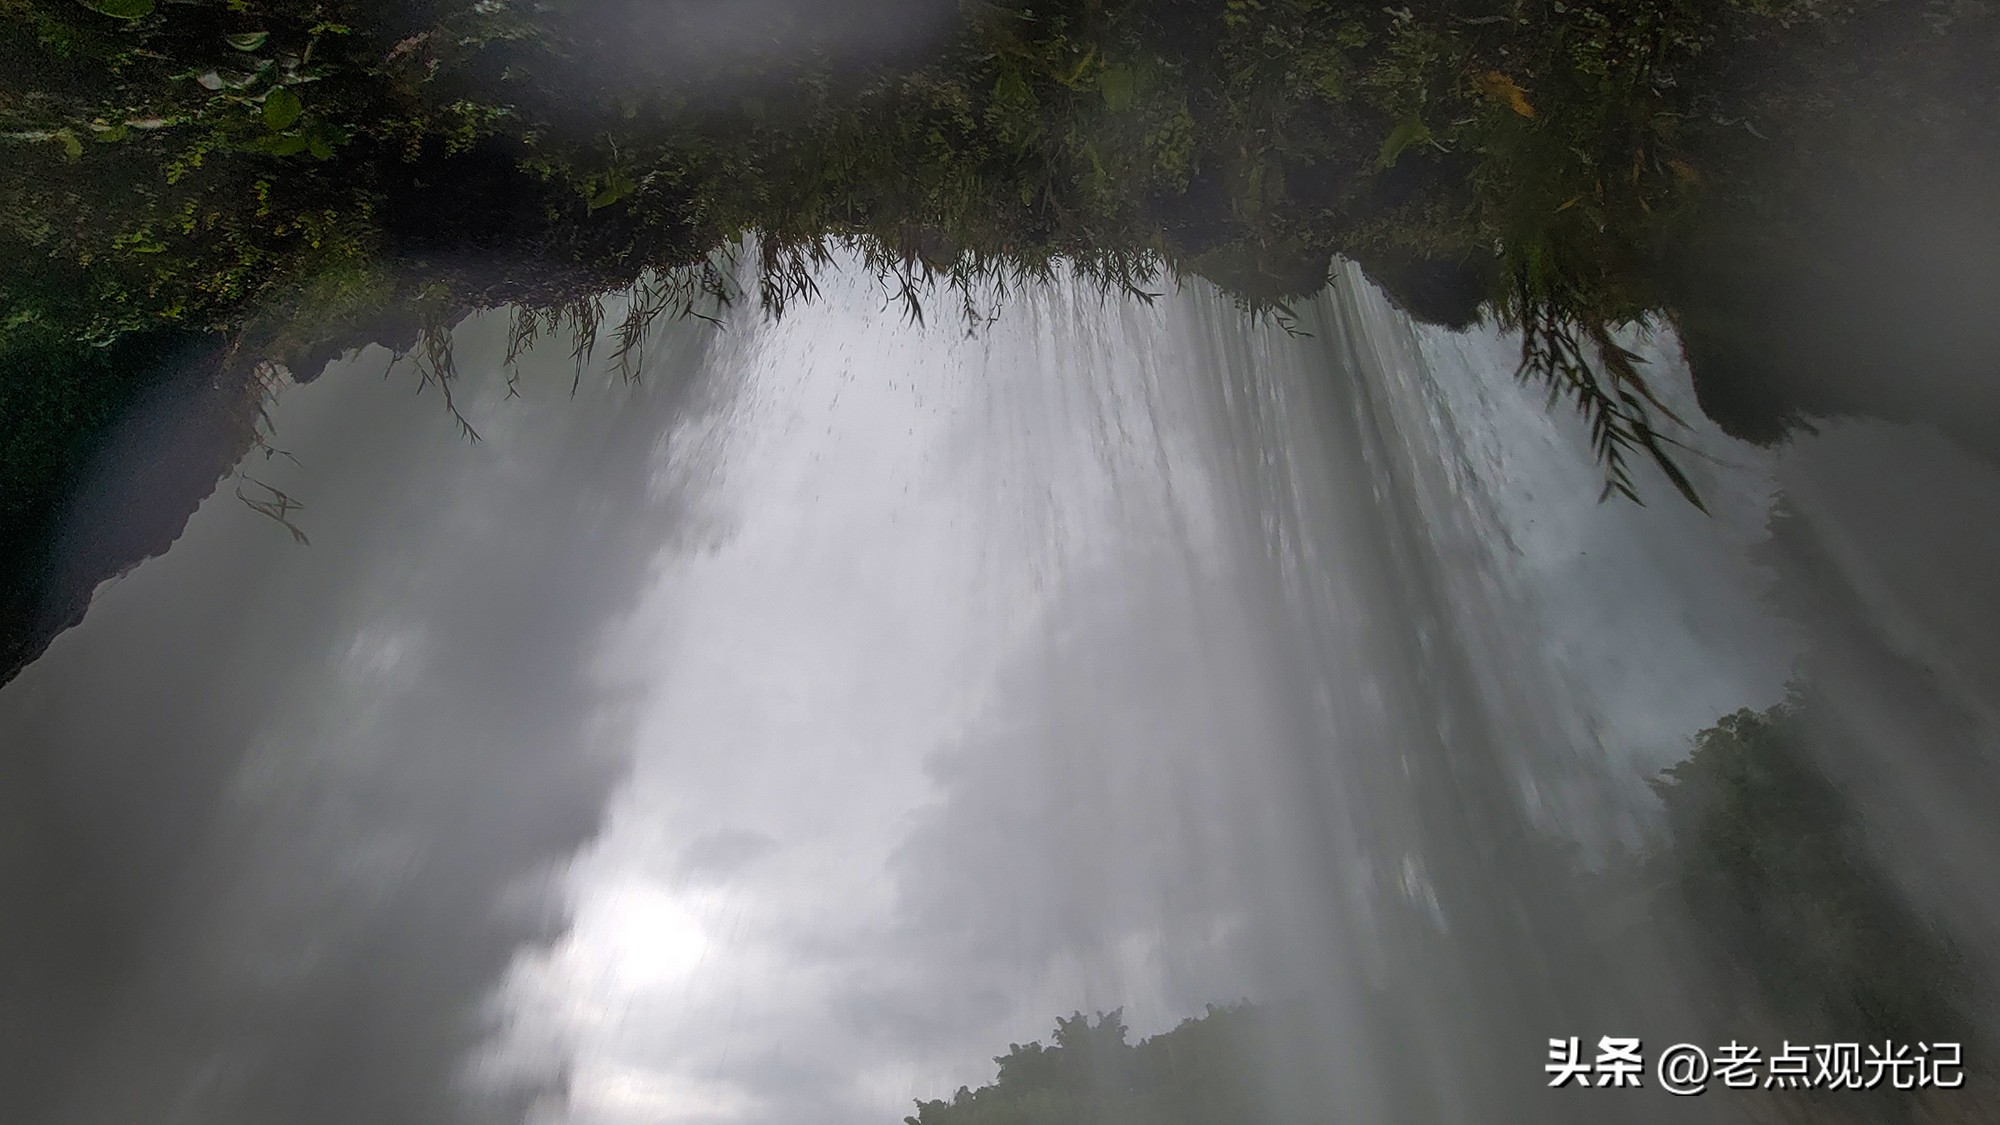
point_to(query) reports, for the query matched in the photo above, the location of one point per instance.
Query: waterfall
(1186, 661)
(783, 734)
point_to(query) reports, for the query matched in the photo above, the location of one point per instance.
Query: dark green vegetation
(1767, 871)
(285, 181)
(1763, 861)
(1203, 1072)
(1768, 861)
(67, 520)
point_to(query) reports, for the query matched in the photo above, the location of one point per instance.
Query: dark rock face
(1452, 294)
(189, 422)
(1883, 306)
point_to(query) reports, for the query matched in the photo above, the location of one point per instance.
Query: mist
(787, 730)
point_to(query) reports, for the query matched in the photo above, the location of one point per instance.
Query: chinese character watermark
(1687, 1068)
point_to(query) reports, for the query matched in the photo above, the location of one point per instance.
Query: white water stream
(779, 737)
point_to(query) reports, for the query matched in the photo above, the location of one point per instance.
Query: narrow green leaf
(1409, 131)
(1673, 472)
(616, 187)
(247, 40)
(120, 9)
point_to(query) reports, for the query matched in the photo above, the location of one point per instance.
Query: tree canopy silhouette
(1203, 1072)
